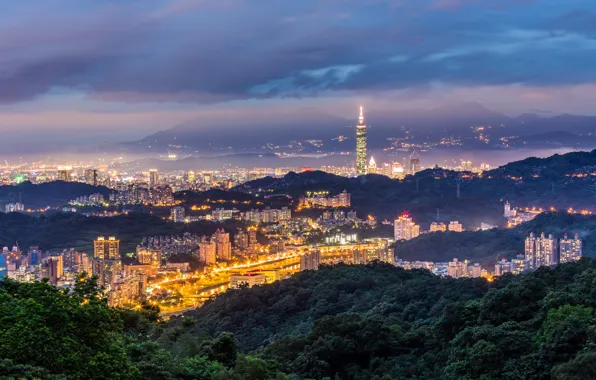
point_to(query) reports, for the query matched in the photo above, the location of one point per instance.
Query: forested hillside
(346, 322)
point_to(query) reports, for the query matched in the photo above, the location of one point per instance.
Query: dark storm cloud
(192, 51)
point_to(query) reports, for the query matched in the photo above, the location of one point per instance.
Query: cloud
(205, 52)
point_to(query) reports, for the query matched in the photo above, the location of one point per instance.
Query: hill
(382, 322)
(51, 194)
(562, 181)
(486, 247)
(371, 321)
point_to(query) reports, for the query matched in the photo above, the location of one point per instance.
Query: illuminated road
(195, 289)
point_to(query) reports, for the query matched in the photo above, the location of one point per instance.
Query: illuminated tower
(414, 163)
(153, 178)
(361, 145)
(372, 166)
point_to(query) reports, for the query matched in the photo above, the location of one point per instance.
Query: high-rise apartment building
(438, 227)
(177, 214)
(310, 261)
(223, 245)
(149, 256)
(241, 240)
(507, 210)
(106, 249)
(457, 269)
(91, 177)
(570, 249)
(207, 251)
(540, 251)
(65, 173)
(361, 144)
(455, 226)
(405, 228)
(153, 178)
(55, 269)
(14, 207)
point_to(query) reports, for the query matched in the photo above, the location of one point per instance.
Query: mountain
(289, 130)
(56, 193)
(251, 133)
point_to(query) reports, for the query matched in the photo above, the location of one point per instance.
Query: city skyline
(127, 80)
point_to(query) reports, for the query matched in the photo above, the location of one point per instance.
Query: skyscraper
(570, 249)
(414, 162)
(65, 173)
(106, 249)
(372, 166)
(405, 228)
(153, 178)
(361, 145)
(91, 177)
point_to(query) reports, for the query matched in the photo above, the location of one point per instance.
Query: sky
(117, 70)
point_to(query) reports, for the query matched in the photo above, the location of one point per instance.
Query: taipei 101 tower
(361, 145)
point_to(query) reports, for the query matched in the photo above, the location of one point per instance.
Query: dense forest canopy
(346, 322)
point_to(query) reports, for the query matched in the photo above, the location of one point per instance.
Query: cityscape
(313, 190)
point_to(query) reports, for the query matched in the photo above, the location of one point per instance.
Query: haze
(79, 73)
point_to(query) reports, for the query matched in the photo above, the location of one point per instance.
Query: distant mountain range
(262, 132)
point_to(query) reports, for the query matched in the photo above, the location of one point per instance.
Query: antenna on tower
(361, 117)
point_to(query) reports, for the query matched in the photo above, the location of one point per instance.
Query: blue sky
(128, 68)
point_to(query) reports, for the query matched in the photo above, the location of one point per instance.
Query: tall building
(3, 265)
(191, 176)
(106, 249)
(207, 251)
(91, 177)
(570, 249)
(397, 171)
(56, 268)
(14, 207)
(361, 144)
(405, 228)
(438, 227)
(540, 251)
(153, 178)
(457, 269)
(177, 214)
(372, 166)
(241, 240)
(223, 245)
(386, 169)
(455, 226)
(65, 173)
(310, 261)
(507, 210)
(414, 162)
(149, 256)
